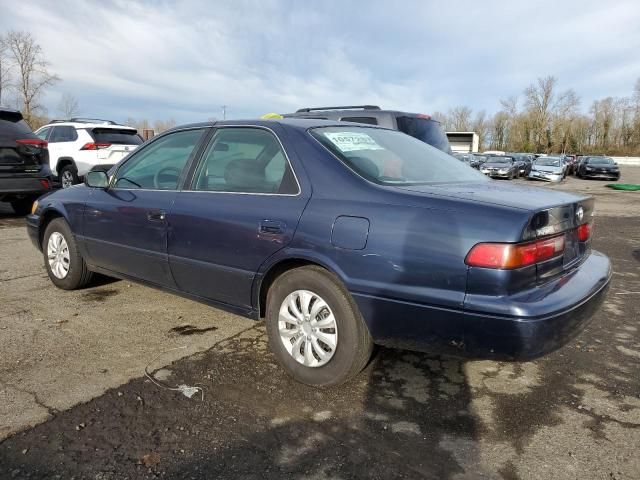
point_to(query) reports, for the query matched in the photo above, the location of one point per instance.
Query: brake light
(584, 232)
(509, 256)
(45, 183)
(95, 146)
(35, 142)
(425, 116)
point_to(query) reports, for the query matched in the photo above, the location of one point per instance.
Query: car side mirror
(96, 179)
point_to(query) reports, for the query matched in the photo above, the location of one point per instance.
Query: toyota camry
(339, 236)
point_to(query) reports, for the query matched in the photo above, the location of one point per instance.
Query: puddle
(190, 330)
(99, 295)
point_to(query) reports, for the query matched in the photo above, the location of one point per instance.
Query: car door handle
(272, 227)
(156, 215)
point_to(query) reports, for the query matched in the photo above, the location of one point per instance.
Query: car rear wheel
(65, 266)
(315, 329)
(68, 176)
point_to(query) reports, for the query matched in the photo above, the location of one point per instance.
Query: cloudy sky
(184, 60)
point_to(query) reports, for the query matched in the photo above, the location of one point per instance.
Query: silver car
(549, 169)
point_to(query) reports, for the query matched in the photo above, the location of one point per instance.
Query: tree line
(546, 120)
(25, 76)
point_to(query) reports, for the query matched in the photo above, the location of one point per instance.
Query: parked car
(501, 166)
(24, 163)
(524, 161)
(471, 159)
(340, 236)
(599, 167)
(418, 125)
(549, 169)
(79, 144)
(570, 161)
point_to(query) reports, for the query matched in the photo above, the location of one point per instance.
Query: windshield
(600, 161)
(425, 129)
(548, 162)
(499, 160)
(389, 157)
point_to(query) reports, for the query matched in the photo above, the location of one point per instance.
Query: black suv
(24, 162)
(418, 125)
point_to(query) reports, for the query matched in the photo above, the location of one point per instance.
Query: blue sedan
(340, 236)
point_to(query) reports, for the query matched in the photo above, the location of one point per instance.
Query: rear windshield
(425, 129)
(113, 135)
(13, 126)
(389, 157)
(600, 161)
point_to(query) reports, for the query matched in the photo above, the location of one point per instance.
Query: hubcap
(67, 179)
(58, 255)
(308, 329)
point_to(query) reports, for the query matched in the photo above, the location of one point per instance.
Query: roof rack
(346, 107)
(85, 120)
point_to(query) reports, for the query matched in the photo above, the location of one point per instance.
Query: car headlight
(503, 170)
(34, 207)
(589, 169)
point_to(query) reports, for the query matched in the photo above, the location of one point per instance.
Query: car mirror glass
(97, 179)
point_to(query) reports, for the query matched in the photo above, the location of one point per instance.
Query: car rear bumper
(523, 326)
(24, 185)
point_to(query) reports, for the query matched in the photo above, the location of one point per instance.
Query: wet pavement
(574, 414)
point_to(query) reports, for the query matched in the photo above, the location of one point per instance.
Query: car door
(61, 142)
(243, 205)
(125, 225)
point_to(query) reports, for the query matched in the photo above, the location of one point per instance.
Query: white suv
(80, 144)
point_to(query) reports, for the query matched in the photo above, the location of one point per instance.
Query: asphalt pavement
(74, 401)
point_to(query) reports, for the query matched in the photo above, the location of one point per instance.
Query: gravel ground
(574, 414)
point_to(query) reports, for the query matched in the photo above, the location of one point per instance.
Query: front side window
(389, 157)
(159, 166)
(245, 160)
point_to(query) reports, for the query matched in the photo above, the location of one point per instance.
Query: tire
(353, 345)
(68, 176)
(77, 275)
(23, 206)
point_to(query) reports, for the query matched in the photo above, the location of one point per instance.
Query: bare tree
(69, 106)
(5, 74)
(32, 70)
(460, 119)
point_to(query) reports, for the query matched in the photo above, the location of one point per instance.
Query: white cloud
(186, 59)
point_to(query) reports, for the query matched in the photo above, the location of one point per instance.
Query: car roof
(297, 123)
(88, 125)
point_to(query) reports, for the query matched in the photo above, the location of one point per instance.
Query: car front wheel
(65, 266)
(315, 329)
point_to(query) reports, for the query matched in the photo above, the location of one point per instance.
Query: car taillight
(35, 142)
(95, 146)
(584, 232)
(509, 255)
(45, 183)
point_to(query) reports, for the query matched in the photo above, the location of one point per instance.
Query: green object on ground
(624, 186)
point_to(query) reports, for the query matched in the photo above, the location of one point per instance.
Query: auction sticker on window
(352, 141)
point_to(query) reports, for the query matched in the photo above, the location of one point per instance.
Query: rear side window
(367, 120)
(115, 136)
(245, 160)
(63, 134)
(426, 130)
(12, 126)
